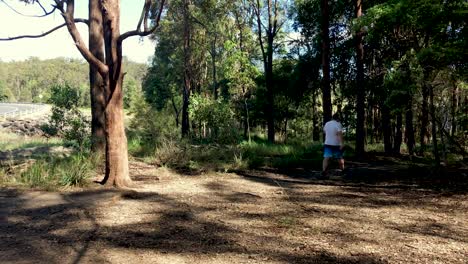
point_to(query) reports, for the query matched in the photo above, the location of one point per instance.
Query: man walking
(334, 143)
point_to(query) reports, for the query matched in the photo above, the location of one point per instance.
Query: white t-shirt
(331, 130)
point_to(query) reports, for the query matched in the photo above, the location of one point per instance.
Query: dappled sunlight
(216, 218)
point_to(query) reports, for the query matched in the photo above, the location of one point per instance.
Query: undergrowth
(190, 158)
(53, 173)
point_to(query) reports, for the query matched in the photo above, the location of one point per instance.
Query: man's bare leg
(326, 161)
(341, 163)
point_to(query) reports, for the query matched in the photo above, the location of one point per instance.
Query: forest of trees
(395, 70)
(30, 81)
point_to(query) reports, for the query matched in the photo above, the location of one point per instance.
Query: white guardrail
(19, 113)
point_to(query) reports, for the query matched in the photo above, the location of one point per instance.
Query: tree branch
(146, 32)
(144, 14)
(46, 13)
(76, 20)
(275, 19)
(259, 24)
(75, 34)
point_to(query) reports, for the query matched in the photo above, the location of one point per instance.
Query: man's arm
(339, 134)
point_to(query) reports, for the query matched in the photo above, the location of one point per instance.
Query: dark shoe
(346, 173)
(324, 176)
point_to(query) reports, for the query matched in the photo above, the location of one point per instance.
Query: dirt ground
(261, 216)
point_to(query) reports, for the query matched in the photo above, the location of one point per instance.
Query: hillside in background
(32, 79)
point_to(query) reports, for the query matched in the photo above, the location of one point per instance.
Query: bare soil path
(260, 216)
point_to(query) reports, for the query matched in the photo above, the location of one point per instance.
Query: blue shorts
(332, 152)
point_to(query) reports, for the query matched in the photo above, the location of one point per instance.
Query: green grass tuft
(75, 171)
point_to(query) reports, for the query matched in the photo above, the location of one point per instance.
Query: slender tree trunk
(398, 134)
(434, 126)
(185, 116)
(387, 129)
(176, 111)
(454, 109)
(371, 123)
(442, 142)
(326, 90)
(213, 62)
(97, 89)
(270, 98)
(187, 72)
(377, 125)
(360, 97)
(409, 129)
(286, 130)
(423, 133)
(315, 122)
(246, 121)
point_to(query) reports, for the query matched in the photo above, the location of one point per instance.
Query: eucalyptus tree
(96, 82)
(418, 36)
(270, 18)
(360, 86)
(110, 69)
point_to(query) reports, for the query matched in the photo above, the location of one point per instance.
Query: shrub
(216, 119)
(150, 128)
(66, 119)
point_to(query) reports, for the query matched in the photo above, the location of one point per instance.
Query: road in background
(19, 109)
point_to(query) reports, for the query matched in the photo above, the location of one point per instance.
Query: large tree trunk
(116, 149)
(97, 89)
(326, 93)
(360, 97)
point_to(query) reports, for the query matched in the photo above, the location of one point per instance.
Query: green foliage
(148, 128)
(67, 120)
(131, 92)
(409, 46)
(238, 69)
(50, 174)
(4, 92)
(216, 115)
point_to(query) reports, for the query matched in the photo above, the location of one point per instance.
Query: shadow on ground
(276, 225)
(64, 228)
